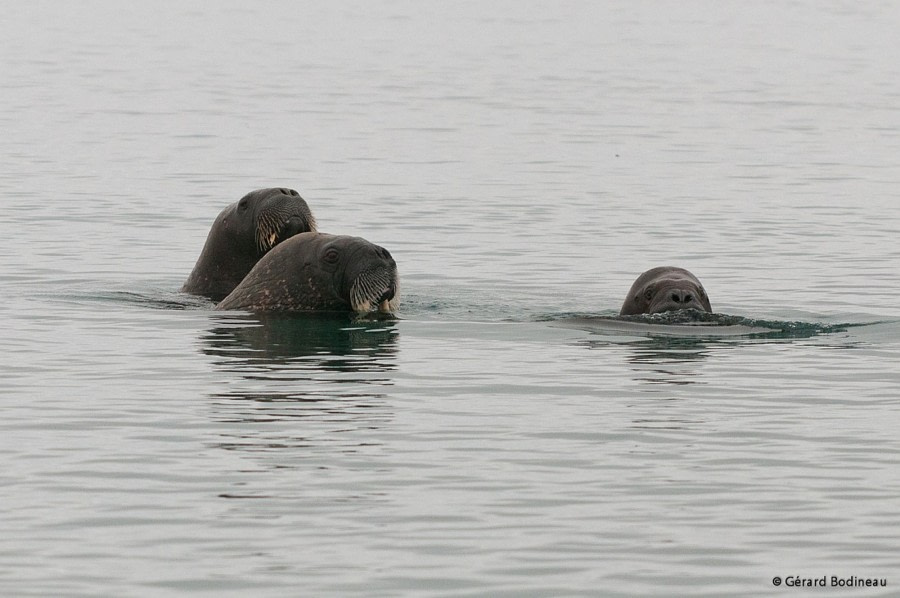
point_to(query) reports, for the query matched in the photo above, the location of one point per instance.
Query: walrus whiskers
(369, 288)
(272, 221)
(267, 231)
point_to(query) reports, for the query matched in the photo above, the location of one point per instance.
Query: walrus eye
(648, 293)
(332, 256)
(242, 206)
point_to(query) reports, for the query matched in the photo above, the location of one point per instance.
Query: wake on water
(694, 323)
(682, 323)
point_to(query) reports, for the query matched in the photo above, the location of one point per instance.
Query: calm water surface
(523, 163)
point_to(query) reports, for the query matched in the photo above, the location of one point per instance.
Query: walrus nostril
(679, 296)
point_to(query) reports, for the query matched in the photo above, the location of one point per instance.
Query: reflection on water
(666, 348)
(300, 380)
(330, 341)
(663, 360)
(669, 360)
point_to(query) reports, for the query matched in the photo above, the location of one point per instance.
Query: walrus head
(664, 289)
(320, 272)
(363, 275)
(242, 234)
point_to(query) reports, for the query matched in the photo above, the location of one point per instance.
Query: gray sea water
(523, 162)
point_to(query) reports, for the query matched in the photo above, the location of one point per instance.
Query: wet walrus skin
(242, 234)
(320, 272)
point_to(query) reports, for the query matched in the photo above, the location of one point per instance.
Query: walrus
(242, 234)
(666, 288)
(319, 272)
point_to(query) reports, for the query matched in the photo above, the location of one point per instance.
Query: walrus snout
(377, 285)
(280, 215)
(682, 297)
(294, 226)
(673, 299)
(388, 294)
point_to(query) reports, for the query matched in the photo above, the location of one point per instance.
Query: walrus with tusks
(320, 272)
(242, 234)
(666, 288)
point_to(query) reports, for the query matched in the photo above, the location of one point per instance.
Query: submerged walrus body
(320, 272)
(242, 234)
(666, 288)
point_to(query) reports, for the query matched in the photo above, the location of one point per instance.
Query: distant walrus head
(243, 233)
(666, 288)
(320, 272)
